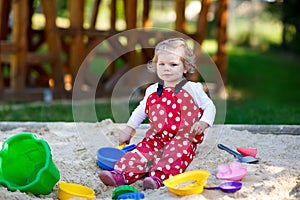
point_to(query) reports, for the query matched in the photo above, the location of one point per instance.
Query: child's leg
(177, 155)
(137, 163)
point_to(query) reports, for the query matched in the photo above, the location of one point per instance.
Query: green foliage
(62, 8)
(288, 13)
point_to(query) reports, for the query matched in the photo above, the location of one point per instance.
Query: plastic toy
(240, 157)
(103, 166)
(26, 165)
(108, 156)
(247, 151)
(121, 146)
(123, 189)
(131, 195)
(234, 172)
(71, 190)
(228, 187)
(187, 183)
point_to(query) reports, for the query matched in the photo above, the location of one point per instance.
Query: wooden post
(54, 44)
(76, 54)
(180, 23)
(113, 12)
(19, 37)
(202, 21)
(94, 14)
(130, 13)
(222, 59)
(131, 20)
(5, 7)
(146, 20)
(1, 79)
(4, 13)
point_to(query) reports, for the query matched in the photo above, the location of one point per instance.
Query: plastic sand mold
(131, 195)
(26, 165)
(233, 172)
(123, 189)
(187, 183)
(108, 156)
(71, 190)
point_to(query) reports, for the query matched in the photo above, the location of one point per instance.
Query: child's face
(170, 68)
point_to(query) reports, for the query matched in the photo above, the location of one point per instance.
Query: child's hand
(126, 135)
(199, 127)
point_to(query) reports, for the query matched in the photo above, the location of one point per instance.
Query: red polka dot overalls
(168, 147)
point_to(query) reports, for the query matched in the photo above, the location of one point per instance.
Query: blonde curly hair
(177, 46)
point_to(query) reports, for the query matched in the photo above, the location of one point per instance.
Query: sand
(74, 146)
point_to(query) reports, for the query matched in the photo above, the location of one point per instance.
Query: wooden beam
(36, 59)
(19, 37)
(28, 94)
(7, 47)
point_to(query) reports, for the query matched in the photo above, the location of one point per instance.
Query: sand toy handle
(221, 146)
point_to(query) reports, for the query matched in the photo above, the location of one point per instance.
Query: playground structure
(20, 43)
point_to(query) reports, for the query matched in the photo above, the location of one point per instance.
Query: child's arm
(205, 103)
(136, 118)
(126, 134)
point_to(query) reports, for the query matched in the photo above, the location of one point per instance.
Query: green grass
(263, 89)
(51, 112)
(36, 112)
(268, 87)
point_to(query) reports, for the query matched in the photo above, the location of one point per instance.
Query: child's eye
(161, 64)
(174, 64)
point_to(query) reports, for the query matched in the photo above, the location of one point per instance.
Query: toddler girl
(179, 111)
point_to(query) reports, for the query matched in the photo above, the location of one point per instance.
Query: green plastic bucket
(26, 165)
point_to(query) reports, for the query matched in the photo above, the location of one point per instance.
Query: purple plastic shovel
(227, 187)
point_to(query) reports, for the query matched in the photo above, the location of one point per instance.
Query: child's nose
(168, 67)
